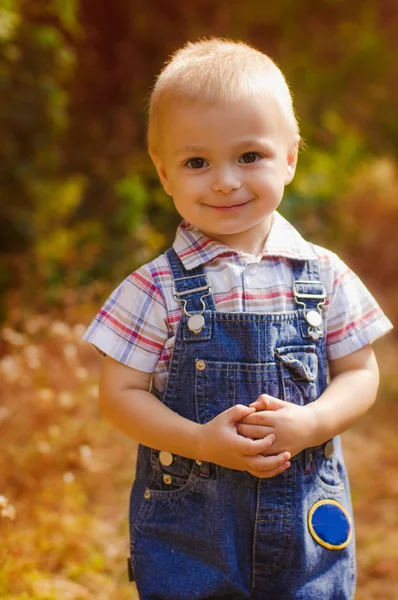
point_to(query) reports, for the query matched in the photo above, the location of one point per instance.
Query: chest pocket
(220, 385)
(298, 371)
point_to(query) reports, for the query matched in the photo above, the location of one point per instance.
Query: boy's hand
(219, 442)
(292, 425)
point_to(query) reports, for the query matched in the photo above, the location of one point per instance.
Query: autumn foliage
(81, 207)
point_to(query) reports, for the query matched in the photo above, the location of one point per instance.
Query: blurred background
(81, 207)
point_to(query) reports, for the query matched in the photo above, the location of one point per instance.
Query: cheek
(190, 185)
(260, 181)
(271, 179)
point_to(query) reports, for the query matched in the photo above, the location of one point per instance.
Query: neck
(251, 241)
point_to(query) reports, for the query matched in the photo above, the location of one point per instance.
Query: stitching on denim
(197, 394)
(286, 550)
(259, 317)
(234, 380)
(282, 380)
(165, 495)
(239, 366)
(338, 488)
(177, 352)
(253, 586)
(258, 342)
(290, 486)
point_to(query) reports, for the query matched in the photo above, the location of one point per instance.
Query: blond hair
(214, 70)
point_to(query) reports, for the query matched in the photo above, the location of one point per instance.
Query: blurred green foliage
(80, 201)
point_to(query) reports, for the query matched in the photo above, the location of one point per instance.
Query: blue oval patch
(330, 524)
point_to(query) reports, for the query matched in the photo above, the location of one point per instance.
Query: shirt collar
(194, 248)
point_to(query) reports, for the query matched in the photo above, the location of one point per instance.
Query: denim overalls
(201, 531)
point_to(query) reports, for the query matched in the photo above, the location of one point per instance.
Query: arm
(125, 400)
(351, 392)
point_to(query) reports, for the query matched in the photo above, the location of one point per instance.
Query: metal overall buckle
(313, 316)
(196, 321)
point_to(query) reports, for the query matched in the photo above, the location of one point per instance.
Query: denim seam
(259, 317)
(239, 366)
(253, 586)
(258, 343)
(234, 380)
(174, 364)
(282, 379)
(287, 535)
(200, 397)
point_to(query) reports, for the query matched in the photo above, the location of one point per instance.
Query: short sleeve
(354, 317)
(131, 326)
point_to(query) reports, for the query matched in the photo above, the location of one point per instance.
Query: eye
(250, 157)
(196, 163)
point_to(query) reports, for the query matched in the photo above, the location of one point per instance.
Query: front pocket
(182, 547)
(327, 475)
(171, 477)
(298, 367)
(220, 385)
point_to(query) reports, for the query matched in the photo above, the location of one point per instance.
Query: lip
(229, 208)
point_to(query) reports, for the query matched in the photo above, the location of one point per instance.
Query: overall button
(147, 493)
(167, 479)
(166, 458)
(200, 365)
(196, 323)
(329, 449)
(314, 318)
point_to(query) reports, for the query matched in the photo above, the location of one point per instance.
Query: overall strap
(310, 294)
(192, 288)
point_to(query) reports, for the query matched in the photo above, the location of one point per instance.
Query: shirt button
(166, 458)
(167, 479)
(253, 269)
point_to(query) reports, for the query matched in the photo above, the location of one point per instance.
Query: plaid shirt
(137, 324)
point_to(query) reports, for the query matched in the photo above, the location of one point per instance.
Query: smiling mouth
(229, 207)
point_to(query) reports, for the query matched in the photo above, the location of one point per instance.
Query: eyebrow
(240, 145)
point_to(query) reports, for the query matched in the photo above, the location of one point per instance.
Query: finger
(260, 403)
(264, 417)
(268, 474)
(239, 411)
(268, 403)
(254, 431)
(250, 447)
(268, 463)
(272, 403)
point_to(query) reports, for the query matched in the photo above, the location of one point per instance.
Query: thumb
(265, 402)
(239, 411)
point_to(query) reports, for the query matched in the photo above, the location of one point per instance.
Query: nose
(226, 180)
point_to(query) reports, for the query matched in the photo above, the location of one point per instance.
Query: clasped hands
(260, 438)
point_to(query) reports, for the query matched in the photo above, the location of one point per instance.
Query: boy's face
(226, 166)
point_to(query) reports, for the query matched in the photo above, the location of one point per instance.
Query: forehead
(219, 124)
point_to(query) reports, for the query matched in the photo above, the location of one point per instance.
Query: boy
(236, 358)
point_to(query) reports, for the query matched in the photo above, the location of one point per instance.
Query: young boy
(236, 358)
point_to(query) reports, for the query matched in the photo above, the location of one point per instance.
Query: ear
(291, 162)
(161, 172)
